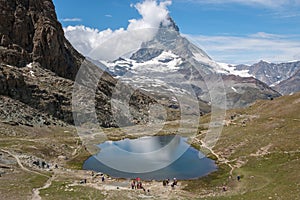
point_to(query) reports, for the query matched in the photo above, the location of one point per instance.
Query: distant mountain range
(283, 77)
(290, 85)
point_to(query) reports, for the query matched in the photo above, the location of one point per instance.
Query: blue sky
(232, 31)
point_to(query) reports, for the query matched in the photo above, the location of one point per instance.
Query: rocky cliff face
(30, 32)
(38, 67)
(290, 85)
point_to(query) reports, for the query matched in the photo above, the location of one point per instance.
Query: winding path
(36, 191)
(223, 160)
(21, 165)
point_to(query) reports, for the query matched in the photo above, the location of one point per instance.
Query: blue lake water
(150, 158)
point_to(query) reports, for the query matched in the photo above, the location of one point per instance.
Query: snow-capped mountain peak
(166, 61)
(170, 64)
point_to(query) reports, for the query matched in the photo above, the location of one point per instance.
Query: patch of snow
(222, 68)
(30, 65)
(32, 73)
(155, 65)
(292, 61)
(202, 58)
(165, 62)
(174, 99)
(235, 90)
(274, 84)
(8, 66)
(105, 63)
(230, 69)
(206, 60)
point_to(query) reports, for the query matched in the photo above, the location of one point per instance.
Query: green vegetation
(19, 184)
(274, 176)
(259, 143)
(63, 190)
(210, 182)
(262, 144)
(77, 161)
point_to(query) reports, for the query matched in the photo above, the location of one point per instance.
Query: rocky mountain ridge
(38, 69)
(290, 85)
(275, 75)
(30, 32)
(170, 60)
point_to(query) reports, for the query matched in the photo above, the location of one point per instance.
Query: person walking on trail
(133, 185)
(238, 178)
(175, 181)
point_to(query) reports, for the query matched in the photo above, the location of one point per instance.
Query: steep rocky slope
(290, 85)
(39, 66)
(30, 32)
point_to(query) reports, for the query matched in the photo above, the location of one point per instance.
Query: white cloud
(251, 48)
(153, 14)
(85, 39)
(71, 20)
(108, 44)
(108, 16)
(265, 35)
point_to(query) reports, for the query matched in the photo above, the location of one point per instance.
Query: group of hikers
(137, 183)
(167, 181)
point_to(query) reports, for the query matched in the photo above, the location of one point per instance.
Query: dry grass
(267, 174)
(261, 143)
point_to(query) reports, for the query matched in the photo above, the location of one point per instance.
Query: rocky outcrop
(242, 91)
(38, 88)
(143, 55)
(25, 114)
(38, 67)
(30, 32)
(289, 86)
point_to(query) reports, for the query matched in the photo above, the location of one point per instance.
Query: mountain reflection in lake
(156, 157)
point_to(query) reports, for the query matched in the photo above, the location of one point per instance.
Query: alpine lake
(150, 158)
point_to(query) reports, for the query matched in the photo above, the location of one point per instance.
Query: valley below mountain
(259, 144)
(56, 106)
